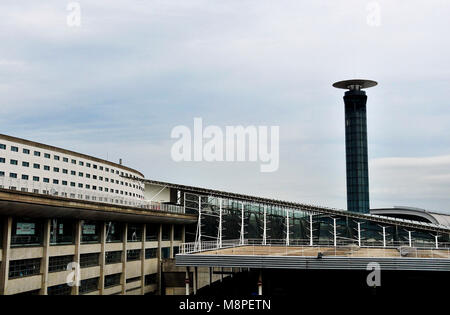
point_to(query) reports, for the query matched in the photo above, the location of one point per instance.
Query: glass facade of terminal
(277, 222)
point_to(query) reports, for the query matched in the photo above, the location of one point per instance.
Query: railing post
(241, 242)
(265, 226)
(334, 233)
(310, 230)
(287, 227)
(359, 234)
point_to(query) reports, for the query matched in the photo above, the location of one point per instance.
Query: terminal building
(67, 217)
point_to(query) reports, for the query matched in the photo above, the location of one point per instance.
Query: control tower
(355, 100)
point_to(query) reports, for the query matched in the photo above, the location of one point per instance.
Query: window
(88, 164)
(94, 176)
(46, 168)
(56, 169)
(152, 232)
(24, 177)
(46, 155)
(112, 280)
(55, 181)
(2, 146)
(165, 252)
(26, 151)
(95, 166)
(56, 157)
(46, 180)
(88, 175)
(2, 174)
(65, 160)
(72, 184)
(133, 254)
(113, 257)
(37, 166)
(60, 289)
(151, 253)
(37, 153)
(88, 186)
(88, 285)
(14, 149)
(73, 173)
(2, 160)
(101, 168)
(80, 185)
(62, 231)
(65, 171)
(90, 232)
(59, 263)
(24, 268)
(177, 232)
(130, 280)
(25, 164)
(13, 162)
(64, 182)
(13, 175)
(150, 279)
(81, 163)
(80, 174)
(89, 260)
(134, 233)
(73, 161)
(36, 178)
(165, 232)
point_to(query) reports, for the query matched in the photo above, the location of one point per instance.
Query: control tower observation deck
(356, 143)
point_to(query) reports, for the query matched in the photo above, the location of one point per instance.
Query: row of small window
(72, 184)
(90, 285)
(66, 171)
(65, 159)
(31, 267)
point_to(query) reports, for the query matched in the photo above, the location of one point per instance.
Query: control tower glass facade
(356, 151)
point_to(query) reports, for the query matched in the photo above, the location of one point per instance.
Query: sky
(116, 85)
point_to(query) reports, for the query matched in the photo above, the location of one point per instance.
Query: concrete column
(210, 276)
(102, 258)
(195, 280)
(76, 256)
(123, 278)
(186, 281)
(159, 259)
(260, 288)
(183, 234)
(45, 257)
(144, 231)
(7, 228)
(172, 231)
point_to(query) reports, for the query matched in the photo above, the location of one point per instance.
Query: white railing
(254, 247)
(85, 194)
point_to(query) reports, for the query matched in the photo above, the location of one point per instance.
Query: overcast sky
(117, 85)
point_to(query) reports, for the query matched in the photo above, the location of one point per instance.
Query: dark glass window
(14, 162)
(112, 280)
(14, 149)
(165, 252)
(59, 263)
(113, 257)
(90, 232)
(26, 232)
(150, 279)
(151, 253)
(89, 260)
(24, 268)
(166, 232)
(177, 232)
(134, 233)
(114, 232)
(152, 232)
(62, 231)
(133, 254)
(88, 285)
(61, 289)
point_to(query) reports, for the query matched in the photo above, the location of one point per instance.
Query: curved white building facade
(38, 168)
